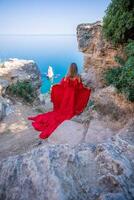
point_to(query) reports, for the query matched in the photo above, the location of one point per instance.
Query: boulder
(63, 172)
(56, 172)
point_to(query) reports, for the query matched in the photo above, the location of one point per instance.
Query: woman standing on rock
(69, 98)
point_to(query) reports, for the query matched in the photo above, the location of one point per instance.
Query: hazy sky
(48, 16)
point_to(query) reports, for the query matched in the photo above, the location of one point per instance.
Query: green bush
(122, 77)
(130, 48)
(118, 23)
(24, 90)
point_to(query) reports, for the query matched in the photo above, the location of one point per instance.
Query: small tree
(118, 23)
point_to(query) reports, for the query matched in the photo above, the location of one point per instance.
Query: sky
(48, 16)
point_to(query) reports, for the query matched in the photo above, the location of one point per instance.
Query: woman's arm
(80, 81)
(79, 78)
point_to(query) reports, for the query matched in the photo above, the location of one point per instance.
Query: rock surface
(98, 53)
(3, 106)
(45, 103)
(3, 86)
(116, 166)
(59, 172)
(15, 70)
(98, 132)
(109, 103)
(55, 172)
(16, 133)
(69, 132)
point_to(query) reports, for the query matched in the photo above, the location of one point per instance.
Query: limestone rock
(85, 33)
(98, 53)
(19, 70)
(68, 132)
(115, 164)
(55, 172)
(63, 172)
(98, 56)
(14, 70)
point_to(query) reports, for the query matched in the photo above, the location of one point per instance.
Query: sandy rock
(69, 132)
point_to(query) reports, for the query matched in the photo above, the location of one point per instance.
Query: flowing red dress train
(69, 98)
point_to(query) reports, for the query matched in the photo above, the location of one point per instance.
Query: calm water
(56, 51)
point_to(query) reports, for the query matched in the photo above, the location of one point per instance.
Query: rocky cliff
(98, 56)
(14, 70)
(98, 53)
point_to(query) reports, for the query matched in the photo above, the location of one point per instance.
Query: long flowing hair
(73, 70)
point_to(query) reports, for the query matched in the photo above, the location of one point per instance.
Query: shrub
(118, 23)
(130, 48)
(122, 77)
(24, 90)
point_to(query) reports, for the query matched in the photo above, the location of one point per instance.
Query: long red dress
(69, 98)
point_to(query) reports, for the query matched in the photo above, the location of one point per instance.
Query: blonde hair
(73, 70)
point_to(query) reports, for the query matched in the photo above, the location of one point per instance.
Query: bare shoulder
(65, 78)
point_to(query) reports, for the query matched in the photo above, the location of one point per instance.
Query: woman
(69, 98)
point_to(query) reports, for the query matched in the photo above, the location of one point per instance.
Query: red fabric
(69, 98)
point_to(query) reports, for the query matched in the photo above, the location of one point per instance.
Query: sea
(57, 51)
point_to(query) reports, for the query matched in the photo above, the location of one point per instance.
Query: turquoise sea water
(57, 51)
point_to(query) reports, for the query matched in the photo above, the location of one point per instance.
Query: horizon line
(38, 34)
